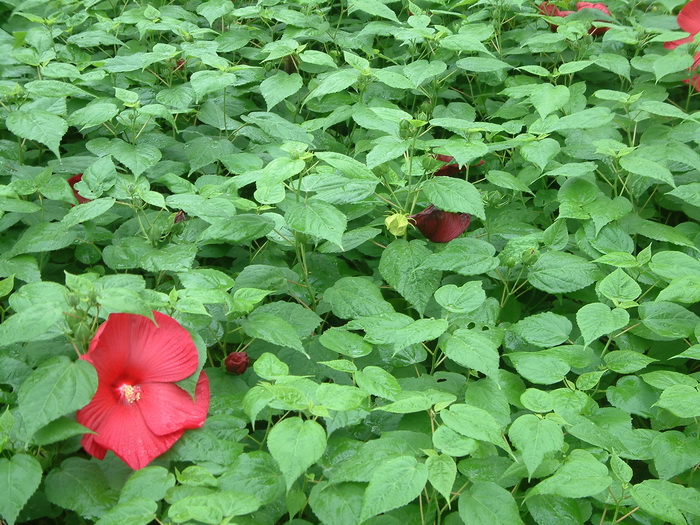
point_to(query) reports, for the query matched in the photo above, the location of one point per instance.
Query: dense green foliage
(240, 160)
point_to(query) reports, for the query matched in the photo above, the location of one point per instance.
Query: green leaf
(44, 237)
(535, 437)
(548, 98)
(353, 297)
(318, 218)
(560, 272)
(656, 503)
(674, 453)
(442, 472)
(541, 367)
(454, 195)
(464, 256)
(627, 361)
(21, 476)
(87, 211)
(472, 349)
(345, 343)
(378, 382)
(671, 63)
(337, 503)
(544, 330)
(668, 319)
(475, 423)
(401, 265)
(553, 510)
(540, 152)
(394, 484)
(481, 64)
(485, 503)
(136, 511)
(213, 508)
(372, 8)
(682, 290)
(647, 168)
(619, 286)
(295, 445)
(150, 482)
(138, 158)
(273, 329)
(38, 125)
(276, 88)
(339, 80)
(689, 193)
(57, 387)
(254, 473)
(596, 320)
(93, 115)
(204, 82)
(461, 299)
(681, 401)
(81, 486)
(30, 325)
(580, 476)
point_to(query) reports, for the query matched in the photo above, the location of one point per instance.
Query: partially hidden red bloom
(550, 9)
(440, 226)
(179, 65)
(138, 411)
(72, 182)
(237, 362)
(689, 21)
(451, 169)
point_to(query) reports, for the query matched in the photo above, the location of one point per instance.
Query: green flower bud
(396, 224)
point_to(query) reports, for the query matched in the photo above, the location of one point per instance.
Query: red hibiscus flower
(552, 10)
(689, 21)
(138, 412)
(440, 226)
(451, 169)
(237, 362)
(71, 182)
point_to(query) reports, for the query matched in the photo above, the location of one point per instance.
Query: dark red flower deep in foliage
(550, 9)
(72, 182)
(237, 362)
(440, 226)
(138, 411)
(451, 169)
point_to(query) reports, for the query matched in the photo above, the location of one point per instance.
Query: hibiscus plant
(349, 262)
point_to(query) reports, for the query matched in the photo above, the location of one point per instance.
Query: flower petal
(126, 434)
(689, 17)
(167, 408)
(440, 226)
(92, 448)
(99, 409)
(132, 348)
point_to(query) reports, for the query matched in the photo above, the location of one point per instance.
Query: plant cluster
(438, 262)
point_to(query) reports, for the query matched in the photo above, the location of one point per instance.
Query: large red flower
(452, 169)
(440, 226)
(550, 9)
(138, 412)
(72, 182)
(689, 21)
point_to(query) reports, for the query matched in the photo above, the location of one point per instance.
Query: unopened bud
(237, 363)
(396, 224)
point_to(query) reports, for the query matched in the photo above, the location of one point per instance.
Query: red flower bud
(237, 363)
(179, 65)
(180, 216)
(72, 182)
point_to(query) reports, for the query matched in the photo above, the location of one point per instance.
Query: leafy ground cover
(438, 262)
